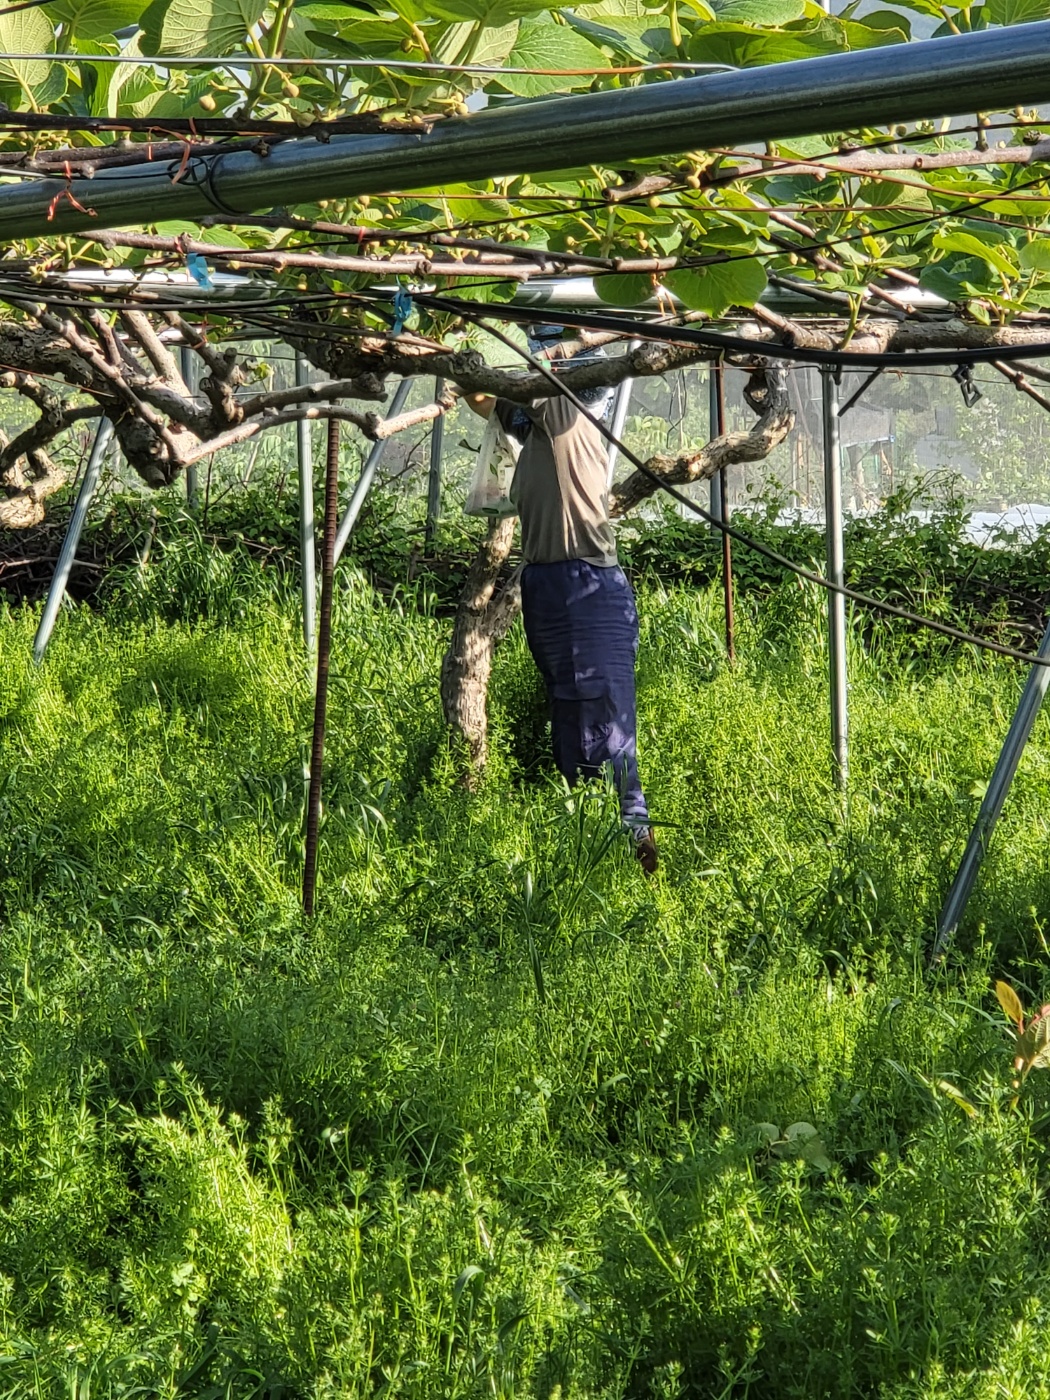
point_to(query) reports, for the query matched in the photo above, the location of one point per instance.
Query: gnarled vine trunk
(482, 620)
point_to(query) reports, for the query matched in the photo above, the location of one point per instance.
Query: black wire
(774, 556)
(828, 244)
(716, 341)
(201, 169)
(34, 294)
(588, 206)
(877, 604)
(205, 182)
(719, 342)
(815, 246)
(832, 242)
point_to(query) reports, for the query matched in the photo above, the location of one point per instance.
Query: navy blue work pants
(582, 629)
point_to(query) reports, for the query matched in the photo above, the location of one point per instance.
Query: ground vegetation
(507, 1118)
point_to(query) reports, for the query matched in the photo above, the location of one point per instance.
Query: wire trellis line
(721, 343)
(327, 61)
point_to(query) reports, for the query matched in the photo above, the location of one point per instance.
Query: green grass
(506, 1119)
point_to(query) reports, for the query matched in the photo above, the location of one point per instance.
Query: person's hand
(481, 404)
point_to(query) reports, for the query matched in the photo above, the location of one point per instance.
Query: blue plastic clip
(197, 267)
(402, 310)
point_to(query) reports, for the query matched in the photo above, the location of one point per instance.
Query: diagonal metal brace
(1035, 688)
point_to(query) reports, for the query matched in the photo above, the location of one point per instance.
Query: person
(580, 619)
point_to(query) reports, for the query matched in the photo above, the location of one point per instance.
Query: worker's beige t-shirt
(560, 485)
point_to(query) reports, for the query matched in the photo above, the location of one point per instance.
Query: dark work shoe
(645, 850)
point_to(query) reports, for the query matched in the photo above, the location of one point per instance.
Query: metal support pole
(1035, 688)
(719, 502)
(368, 472)
(324, 647)
(716, 502)
(57, 590)
(307, 558)
(837, 574)
(727, 542)
(188, 366)
(437, 443)
(621, 404)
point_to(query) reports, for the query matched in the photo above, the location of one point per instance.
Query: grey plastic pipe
(621, 404)
(992, 69)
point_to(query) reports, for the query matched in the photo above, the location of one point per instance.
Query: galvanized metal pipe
(437, 443)
(837, 574)
(368, 472)
(718, 427)
(188, 367)
(67, 553)
(324, 650)
(715, 496)
(997, 68)
(307, 558)
(1035, 688)
(621, 403)
(619, 418)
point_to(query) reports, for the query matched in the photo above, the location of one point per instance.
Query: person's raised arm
(481, 404)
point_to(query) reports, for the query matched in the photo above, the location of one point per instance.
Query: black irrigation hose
(944, 628)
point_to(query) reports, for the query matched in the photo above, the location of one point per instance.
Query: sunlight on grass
(507, 1119)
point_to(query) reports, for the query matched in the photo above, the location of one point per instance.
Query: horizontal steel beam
(994, 69)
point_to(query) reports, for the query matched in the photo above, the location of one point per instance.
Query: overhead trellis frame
(937, 78)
